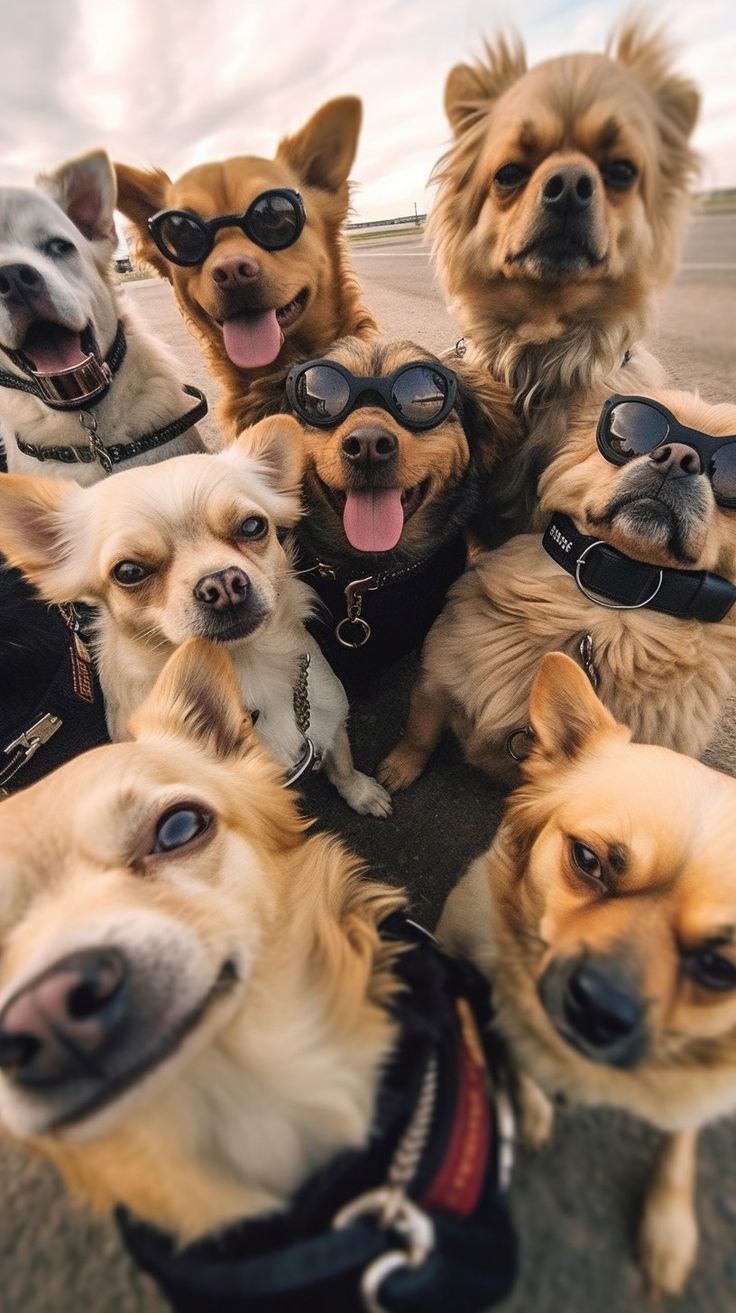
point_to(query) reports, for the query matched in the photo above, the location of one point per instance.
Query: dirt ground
(575, 1202)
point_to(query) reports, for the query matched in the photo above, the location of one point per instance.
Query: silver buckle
(395, 1212)
(610, 606)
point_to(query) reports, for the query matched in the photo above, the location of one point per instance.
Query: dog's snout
(596, 1005)
(19, 281)
(569, 188)
(58, 1024)
(235, 271)
(370, 445)
(676, 459)
(223, 589)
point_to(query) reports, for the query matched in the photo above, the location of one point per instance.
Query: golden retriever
(256, 309)
(664, 675)
(604, 915)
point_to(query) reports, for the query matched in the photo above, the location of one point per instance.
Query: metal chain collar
(353, 631)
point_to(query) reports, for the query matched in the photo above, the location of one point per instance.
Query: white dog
(194, 552)
(84, 390)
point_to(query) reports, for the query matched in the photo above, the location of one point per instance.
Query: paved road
(575, 1202)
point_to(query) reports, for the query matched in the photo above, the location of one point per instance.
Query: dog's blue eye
(512, 175)
(179, 827)
(58, 246)
(256, 526)
(129, 573)
(711, 969)
(619, 174)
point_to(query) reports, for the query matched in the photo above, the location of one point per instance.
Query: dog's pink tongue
(373, 521)
(253, 338)
(53, 348)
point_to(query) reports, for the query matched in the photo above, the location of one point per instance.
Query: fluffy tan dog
(255, 310)
(560, 210)
(663, 675)
(604, 913)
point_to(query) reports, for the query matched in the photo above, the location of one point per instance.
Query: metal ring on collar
(304, 764)
(394, 1212)
(524, 731)
(610, 606)
(364, 632)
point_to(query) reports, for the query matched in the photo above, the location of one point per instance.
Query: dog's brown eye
(254, 527)
(711, 969)
(619, 174)
(129, 573)
(180, 826)
(585, 861)
(512, 175)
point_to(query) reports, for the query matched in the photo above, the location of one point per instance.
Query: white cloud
(174, 82)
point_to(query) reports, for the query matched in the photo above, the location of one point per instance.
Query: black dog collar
(119, 451)
(417, 1221)
(73, 388)
(610, 579)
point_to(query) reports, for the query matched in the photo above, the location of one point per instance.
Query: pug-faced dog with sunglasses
(400, 456)
(632, 571)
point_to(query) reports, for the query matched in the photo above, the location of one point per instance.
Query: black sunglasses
(419, 395)
(273, 220)
(636, 426)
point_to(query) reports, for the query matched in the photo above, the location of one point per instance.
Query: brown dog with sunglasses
(400, 454)
(633, 570)
(604, 915)
(255, 251)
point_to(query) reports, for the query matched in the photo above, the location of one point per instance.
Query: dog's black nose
(569, 188)
(604, 1011)
(58, 1024)
(223, 589)
(370, 445)
(18, 281)
(676, 459)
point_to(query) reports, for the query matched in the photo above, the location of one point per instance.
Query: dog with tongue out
(256, 255)
(400, 458)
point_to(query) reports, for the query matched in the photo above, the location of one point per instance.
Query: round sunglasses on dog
(419, 395)
(636, 426)
(274, 220)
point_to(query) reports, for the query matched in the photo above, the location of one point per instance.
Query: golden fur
(280, 1071)
(663, 829)
(552, 330)
(315, 161)
(664, 677)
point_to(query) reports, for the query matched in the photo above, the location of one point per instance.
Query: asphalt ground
(576, 1202)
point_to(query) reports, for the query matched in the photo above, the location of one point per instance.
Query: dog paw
(366, 796)
(400, 768)
(668, 1241)
(536, 1114)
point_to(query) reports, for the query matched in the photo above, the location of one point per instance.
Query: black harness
(417, 1222)
(608, 578)
(374, 619)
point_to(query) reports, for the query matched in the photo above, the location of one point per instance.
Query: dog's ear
(141, 194)
(277, 444)
(84, 188)
(471, 89)
(37, 534)
(322, 152)
(648, 53)
(565, 714)
(196, 697)
(486, 413)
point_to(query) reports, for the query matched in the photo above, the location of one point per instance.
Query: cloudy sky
(175, 82)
